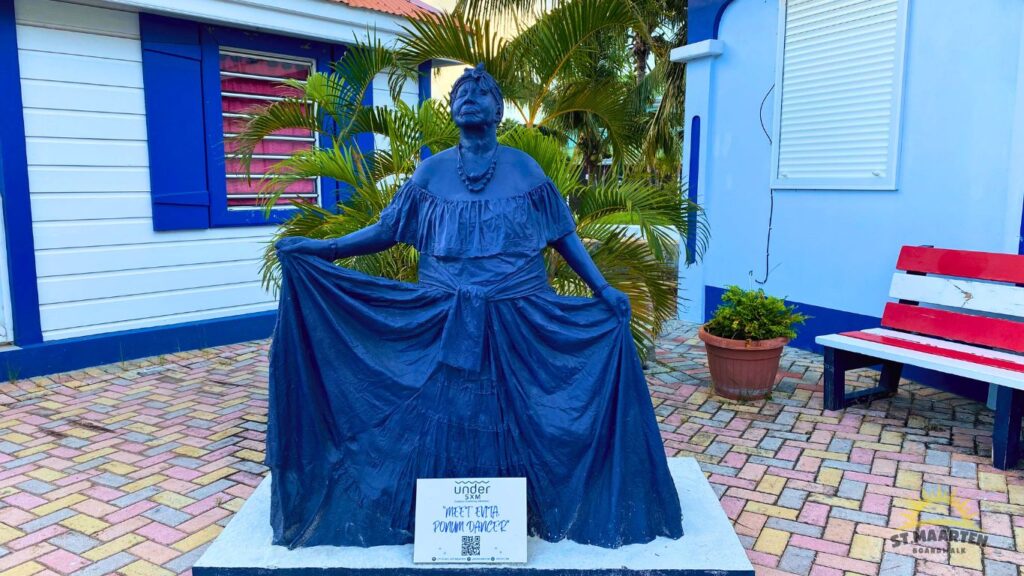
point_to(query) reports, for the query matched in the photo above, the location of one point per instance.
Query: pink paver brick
(63, 561)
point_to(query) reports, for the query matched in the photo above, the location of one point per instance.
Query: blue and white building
(845, 129)
(125, 230)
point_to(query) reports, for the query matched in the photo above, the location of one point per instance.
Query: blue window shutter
(172, 76)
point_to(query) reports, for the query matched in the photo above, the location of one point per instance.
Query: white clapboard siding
(48, 151)
(177, 318)
(46, 179)
(44, 123)
(100, 259)
(120, 309)
(76, 17)
(840, 81)
(79, 69)
(101, 266)
(959, 293)
(61, 206)
(47, 95)
(148, 280)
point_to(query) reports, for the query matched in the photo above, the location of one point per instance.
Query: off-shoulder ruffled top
(522, 223)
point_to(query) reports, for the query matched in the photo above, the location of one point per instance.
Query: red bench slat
(978, 330)
(938, 351)
(962, 263)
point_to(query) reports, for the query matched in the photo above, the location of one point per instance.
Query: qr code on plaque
(470, 545)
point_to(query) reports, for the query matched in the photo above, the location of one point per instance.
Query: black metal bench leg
(1006, 432)
(835, 379)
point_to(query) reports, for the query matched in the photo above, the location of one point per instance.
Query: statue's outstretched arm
(575, 253)
(373, 238)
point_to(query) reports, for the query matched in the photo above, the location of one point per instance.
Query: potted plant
(744, 341)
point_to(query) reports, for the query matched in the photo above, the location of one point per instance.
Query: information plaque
(470, 520)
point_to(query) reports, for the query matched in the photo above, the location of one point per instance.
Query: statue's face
(474, 105)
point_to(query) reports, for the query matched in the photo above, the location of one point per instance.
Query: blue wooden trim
(692, 190)
(212, 39)
(17, 208)
(704, 18)
(75, 353)
(171, 73)
(830, 321)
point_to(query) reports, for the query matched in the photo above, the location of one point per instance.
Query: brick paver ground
(134, 468)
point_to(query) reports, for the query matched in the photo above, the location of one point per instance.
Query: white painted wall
(959, 183)
(101, 266)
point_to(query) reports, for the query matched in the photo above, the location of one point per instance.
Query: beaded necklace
(477, 182)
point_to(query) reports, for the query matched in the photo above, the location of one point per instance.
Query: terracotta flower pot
(742, 369)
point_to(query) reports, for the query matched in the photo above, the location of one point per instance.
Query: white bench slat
(931, 361)
(957, 293)
(976, 350)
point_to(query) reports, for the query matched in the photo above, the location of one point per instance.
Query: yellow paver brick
(261, 418)
(214, 476)
(922, 506)
(866, 548)
(145, 482)
(769, 510)
(835, 501)
(34, 450)
(771, 484)
(966, 555)
(871, 429)
(826, 455)
(113, 547)
(203, 415)
(908, 479)
(80, 433)
(235, 504)
(224, 434)
(84, 524)
(829, 476)
(51, 405)
(106, 401)
(46, 475)
(1018, 535)
(198, 539)
(190, 451)
(173, 500)
(772, 541)
(25, 569)
(8, 533)
(891, 438)
(93, 455)
(119, 417)
(991, 482)
(143, 568)
(58, 504)
(119, 468)
(17, 438)
(141, 429)
(1016, 494)
(249, 455)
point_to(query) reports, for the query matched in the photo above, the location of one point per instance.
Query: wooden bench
(957, 312)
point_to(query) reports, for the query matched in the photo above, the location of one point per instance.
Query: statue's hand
(301, 245)
(616, 299)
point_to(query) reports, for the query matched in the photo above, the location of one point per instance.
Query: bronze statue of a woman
(478, 370)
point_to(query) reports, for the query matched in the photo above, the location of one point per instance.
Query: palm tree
(646, 28)
(640, 264)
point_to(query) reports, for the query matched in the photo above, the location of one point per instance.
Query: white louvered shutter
(840, 82)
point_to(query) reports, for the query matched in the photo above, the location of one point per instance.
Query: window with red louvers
(250, 80)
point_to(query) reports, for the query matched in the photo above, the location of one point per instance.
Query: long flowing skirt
(362, 403)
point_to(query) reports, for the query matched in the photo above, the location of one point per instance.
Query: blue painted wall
(837, 249)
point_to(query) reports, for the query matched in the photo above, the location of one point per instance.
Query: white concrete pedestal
(709, 547)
